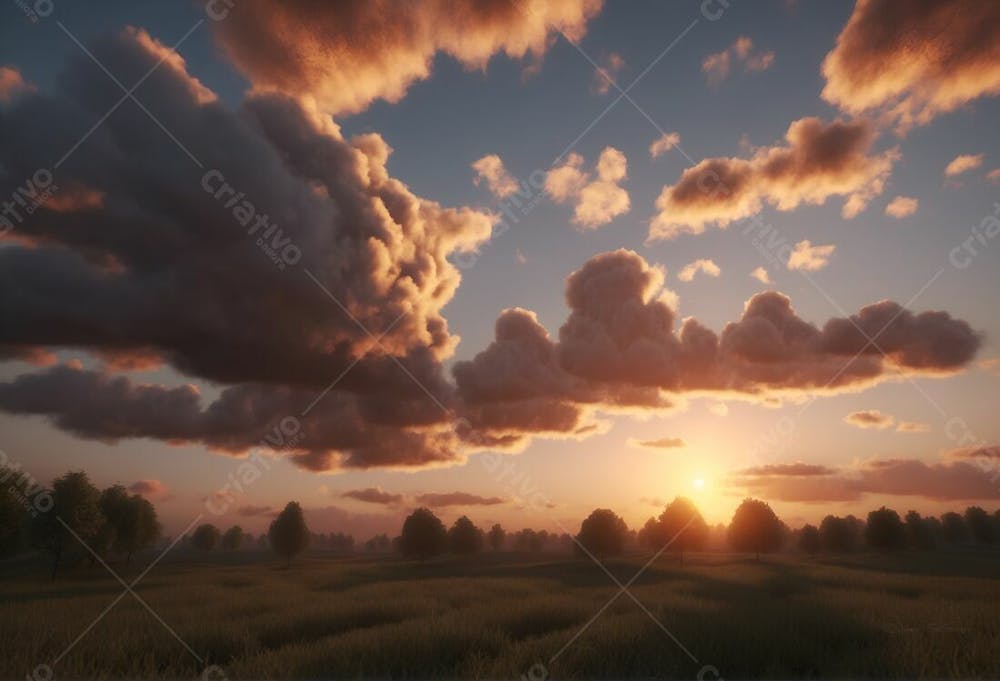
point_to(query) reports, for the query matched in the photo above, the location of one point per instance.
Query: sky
(521, 259)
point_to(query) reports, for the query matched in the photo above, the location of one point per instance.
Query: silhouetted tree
(496, 537)
(919, 532)
(838, 535)
(809, 539)
(423, 535)
(755, 528)
(13, 515)
(464, 537)
(953, 528)
(885, 530)
(232, 539)
(288, 534)
(980, 525)
(603, 533)
(75, 511)
(205, 537)
(651, 535)
(682, 527)
(380, 542)
(262, 542)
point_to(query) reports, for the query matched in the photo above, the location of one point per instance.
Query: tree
(953, 528)
(423, 535)
(980, 525)
(885, 530)
(130, 522)
(809, 539)
(651, 535)
(464, 537)
(496, 537)
(205, 537)
(75, 517)
(232, 539)
(755, 528)
(682, 527)
(838, 535)
(288, 533)
(603, 533)
(13, 517)
(919, 532)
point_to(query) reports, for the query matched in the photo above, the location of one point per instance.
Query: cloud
(435, 500)
(701, 265)
(912, 427)
(490, 169)
(817, 162)
(977, 453)
(175, 263)
(719, 408)
(902, 206)
(12, 84)
(151, 489)
(797, 469)
(661, 443)
(663, 144)
(301, 48)
(374, 495)
(942, 481)
(911, 61)
(606, 72)
(963, 163)
(253, 511)
(809, 258)
(760, 274)
(870, 418)
(596, 202)
(717, 66)
(994, 176)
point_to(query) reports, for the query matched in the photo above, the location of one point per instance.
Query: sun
(699, 483)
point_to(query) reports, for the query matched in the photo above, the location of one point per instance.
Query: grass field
(507, 616)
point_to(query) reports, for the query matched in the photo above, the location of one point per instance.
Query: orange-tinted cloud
(435, 500)
(912, 427)
(606, 73)
(760, 274)
(12, 84)
(963, 163)
(809, 258)
(490, 169)
(901, 207)
(911, 60)
(664, 143)
(151, 489)
(717, 66)
(596, 202)
(344, 55)
(374, 495)
(703, 265)
(818, 161)
(660, 443)
(869, 418)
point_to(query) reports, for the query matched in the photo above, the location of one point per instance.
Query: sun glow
(699, 483)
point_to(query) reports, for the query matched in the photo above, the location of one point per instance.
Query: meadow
(509, 615)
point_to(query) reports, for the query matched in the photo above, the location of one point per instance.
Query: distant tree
(288, 534)
(380, 542)
(75, 511)
(885, 530)
(651, 535)
(232, 539)
(464, 537)
(755, 528)
(980, 525)
(262, 542)
(342, 542)
(809, 539)
(496, 537)
(682, 527)
(919, 532)
(205, 537)
(423, 535)
(838, 535)
(13, 516)
(603, 533)
(953, 528)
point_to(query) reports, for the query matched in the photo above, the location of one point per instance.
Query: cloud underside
(911, 61)
(949, 480)
(818, 161)
(345, 55)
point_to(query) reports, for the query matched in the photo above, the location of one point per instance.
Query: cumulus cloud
(606, 73)
(438, 500)
(760, 274)
(619, 350)
(192, 266)
(717, 66)
(660, 443)
(664, 143)
(818, 161)
(596, 201)
(490, 169)
(963, 163)
(151, 489)
(941, 481)
(702, 265)
(12, 84)
(809, 258)
(373, 495)
(901, 207)
(910, 61)
(870, 418)
(303, 48)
